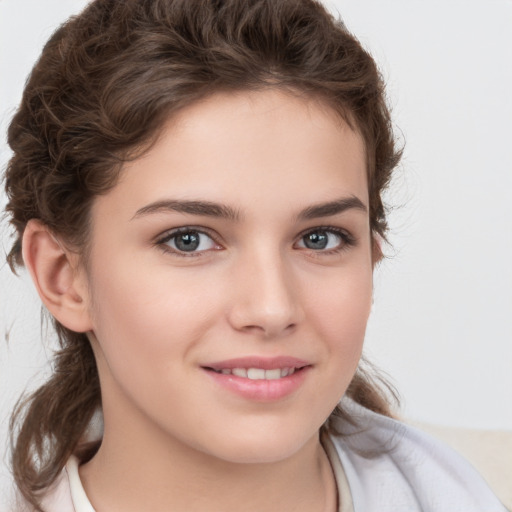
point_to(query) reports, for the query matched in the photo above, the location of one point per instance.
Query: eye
(186, 240)
(325, 239)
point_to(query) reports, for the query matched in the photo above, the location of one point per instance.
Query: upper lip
(266, 363)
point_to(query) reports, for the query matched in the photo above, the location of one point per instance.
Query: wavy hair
(104, 85)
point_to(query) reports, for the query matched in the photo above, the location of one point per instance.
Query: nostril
(266, 308)
(269, 329)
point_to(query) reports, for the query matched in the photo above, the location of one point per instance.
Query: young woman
(196, 192)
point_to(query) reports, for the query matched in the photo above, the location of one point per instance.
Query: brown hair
(104, 85)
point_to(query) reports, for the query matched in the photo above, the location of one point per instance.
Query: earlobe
(377, 254)
(61, 286)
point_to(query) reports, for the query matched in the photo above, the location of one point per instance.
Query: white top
(415, 473)
(380, 465)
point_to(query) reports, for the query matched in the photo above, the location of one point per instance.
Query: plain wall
(442, 320)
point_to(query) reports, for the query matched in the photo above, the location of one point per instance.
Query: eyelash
(167, 237)
(347, 240)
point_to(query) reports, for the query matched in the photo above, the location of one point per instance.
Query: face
(230, 277)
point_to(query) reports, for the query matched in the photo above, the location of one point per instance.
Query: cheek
(149, 328)
(341, 306)
(342, 323)
(339, 314)
(137, 304)
(146, 313)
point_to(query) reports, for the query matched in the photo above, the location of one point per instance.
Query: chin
(259, 448)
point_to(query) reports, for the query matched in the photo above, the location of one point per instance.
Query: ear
(377, 254)
(60, 282)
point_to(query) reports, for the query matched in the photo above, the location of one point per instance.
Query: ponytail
(54, 418)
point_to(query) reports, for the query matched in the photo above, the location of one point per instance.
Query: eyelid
(162, 239)
(332, 229)
(348, 239)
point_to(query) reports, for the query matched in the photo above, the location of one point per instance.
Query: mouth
(260, 379)
(259, 373)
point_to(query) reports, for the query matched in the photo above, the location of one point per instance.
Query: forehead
(244, 148)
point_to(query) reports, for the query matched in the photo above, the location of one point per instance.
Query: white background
(442, 319)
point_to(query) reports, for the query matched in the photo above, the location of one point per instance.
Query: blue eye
(324, 240)
(188, 241)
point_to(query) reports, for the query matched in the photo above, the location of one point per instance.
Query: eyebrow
(205, 208)
(332, 208)
(211, 209)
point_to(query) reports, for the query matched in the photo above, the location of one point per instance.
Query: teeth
(255, 373)
(273, 374)
(258, 373)
(239, 372)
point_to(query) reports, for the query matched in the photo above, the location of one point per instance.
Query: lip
(261, 390)
(266, 363)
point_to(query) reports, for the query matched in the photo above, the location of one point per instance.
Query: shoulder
(393, 467)
(58, 498)
(67, 494)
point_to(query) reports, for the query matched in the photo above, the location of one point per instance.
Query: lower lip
(261, 390)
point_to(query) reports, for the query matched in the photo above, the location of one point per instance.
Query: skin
(174, 439)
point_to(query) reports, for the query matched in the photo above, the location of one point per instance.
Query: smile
(260, 379)
(258, 373)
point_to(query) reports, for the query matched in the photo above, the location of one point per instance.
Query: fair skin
(276, 276)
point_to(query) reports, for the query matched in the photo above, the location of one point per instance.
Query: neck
(152, 471)
(142, 466)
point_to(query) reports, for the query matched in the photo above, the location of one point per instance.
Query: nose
(266, 301)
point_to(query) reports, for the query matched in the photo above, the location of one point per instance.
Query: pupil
(316, 241)
(187, 242)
